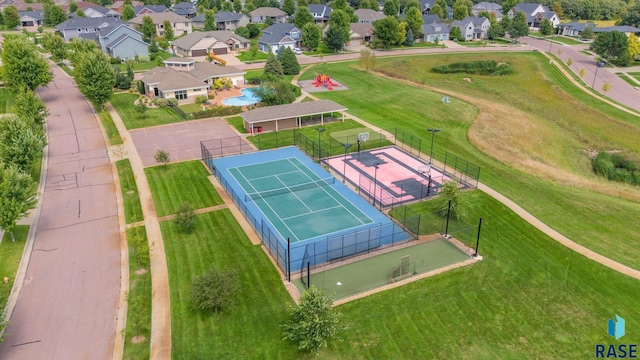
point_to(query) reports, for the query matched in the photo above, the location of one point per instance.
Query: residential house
(434, 29)
(360, 34)
(201, 43)
(79, 27)
(625, 29)
(30, 20)
(180, 24)
(261, 14)
(426, 8)
(320, 13)
(24, 6)
(369, 16)
(574, 28)
(119, 40)
(146, 9)
(535, 14)
(225, 20)
(92, 10)
(118, 5)
(491, 8)
(184, 78)
(186, 9)
(472, 28)
(279, 36)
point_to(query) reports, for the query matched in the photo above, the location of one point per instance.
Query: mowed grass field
(124, 105)
(130, 196)
(529, 132)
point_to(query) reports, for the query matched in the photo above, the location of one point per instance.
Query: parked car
(297, 51)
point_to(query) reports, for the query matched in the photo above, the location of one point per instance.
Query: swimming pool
(248, 97)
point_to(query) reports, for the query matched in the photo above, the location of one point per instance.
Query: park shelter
(281, 117)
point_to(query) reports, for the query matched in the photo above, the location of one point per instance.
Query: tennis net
(289, 189)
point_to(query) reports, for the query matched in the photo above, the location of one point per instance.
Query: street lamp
(599, 64)
(433, 132)
(375, 181)
(344, 169)
(320, 130)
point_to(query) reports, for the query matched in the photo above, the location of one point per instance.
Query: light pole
(344, 169)
(320, 130)
(599, 64)
(375, 181)
(433, 132)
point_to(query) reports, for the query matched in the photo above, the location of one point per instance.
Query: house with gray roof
(186, 9)
(92, 10)
(184, 78)
(201, 43)
(535, 14)
(472, 28)
(180, 24)
(320, 13)
(279, 36)
(261, 14)
(360, 34)
(369, 16)
(490, 7)
(225, 20)
(625, 29)
(145, 9)
(119, 40)
(434, 29)
(76, 27)
(30, 20)
(574, 28)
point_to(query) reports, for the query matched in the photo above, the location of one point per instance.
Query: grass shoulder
(124, 105)
(130, 196)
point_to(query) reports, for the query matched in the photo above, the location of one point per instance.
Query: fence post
(289, 259)
(308, 275)
(418, 231)
(446, 229)
(478, 238)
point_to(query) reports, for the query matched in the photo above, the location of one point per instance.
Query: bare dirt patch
(141, 271)
(138, 339)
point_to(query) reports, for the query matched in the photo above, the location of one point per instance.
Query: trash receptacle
(259, 129)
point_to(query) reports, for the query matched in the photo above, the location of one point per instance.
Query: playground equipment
(324, 80)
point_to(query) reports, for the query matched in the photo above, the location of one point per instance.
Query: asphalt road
(68, 302)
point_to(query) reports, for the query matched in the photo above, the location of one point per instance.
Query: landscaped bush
(115, 61)
(616, 167)
(480, 67)
(160, 102)
(201, 99)
(173, 101)
(253, 80)
(217, 111)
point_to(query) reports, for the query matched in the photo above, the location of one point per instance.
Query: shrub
(173, 101)
(185, 218)
(214, 290)
(115, 60)
(162, 156)
(480, 67)
(616, 167)
(217, 111)
(160, 102)
(201, 99)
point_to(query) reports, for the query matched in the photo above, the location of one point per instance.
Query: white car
(297, 51)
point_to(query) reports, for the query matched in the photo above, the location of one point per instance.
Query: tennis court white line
(268, 176)
(294, 194)
(326, 192)
(312, 212)
(265, 216)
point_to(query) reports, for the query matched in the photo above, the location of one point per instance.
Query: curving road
(68, 302)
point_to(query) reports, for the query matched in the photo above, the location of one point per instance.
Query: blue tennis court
(303, 215)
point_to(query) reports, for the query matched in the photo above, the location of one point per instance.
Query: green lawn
(598, 220)
(175, 184)
(237, 123)
(123, 103)
(146, 65)
(189, 108)
(6, 100)
(247, 56)
(250, 328)
(130, 197)
(112, 132)
(11, 253)
(139, 296)
(636, 75)
(566, 40)
(627, 79)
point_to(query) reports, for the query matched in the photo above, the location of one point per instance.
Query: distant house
(491, 8)
(535, 13)
(625, 29)
(320, 13)
(369, 16)
(279, 36)
(201, 43)
(30, 20)
(146, 9)
(92, 10)
(186, 9)
(574, 28)
(180, 24)
(184, 78)
(118, 5)
(360, 34)
(119, 40)
(472, 28)
(225, 20)
(261, 14)
(434, 29)
(79, 27)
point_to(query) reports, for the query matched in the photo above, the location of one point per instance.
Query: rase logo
(616, 329)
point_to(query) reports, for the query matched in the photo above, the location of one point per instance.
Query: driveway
(181, 140)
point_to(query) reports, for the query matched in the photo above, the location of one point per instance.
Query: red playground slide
(324, 80)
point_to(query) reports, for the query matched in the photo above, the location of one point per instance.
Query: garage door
(201, 52)
(220, 51)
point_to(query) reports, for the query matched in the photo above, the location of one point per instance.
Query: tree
(496, 31)
(290, 65)
(54, 45)
(80, 13)
(22, 64)
(313, 322)
(148, 29)
(53, 15)
(273, 67)
(450, 192)
(367, 59)
(587, 33)
(141, 109)
(128, 12)
(437, 10)
(289, 7)
(243, 31)
(254, 30)
(73, 7)
(409, 40)
(606, 87)
(387, 31)
(168, 30)
(582, 73)
(17, 197)
(185, 218)
(569, 62)
(546, 27)
(557, 8)
(460, 10)
(11, 17)
(508, 4)
(277, 91)
(610, 45)
(95, 78)
(30, 108)
(633, 47)
(210, 20)
(334, 37)
(77, 47)
(21, 142)
(341, 19)
(237, 6)
(311, 35)
(162, 157)
(302, 17)
(632, 16)
(414, 20)
(215, 290)
(390, 8)
(455, 33)
(518, 26)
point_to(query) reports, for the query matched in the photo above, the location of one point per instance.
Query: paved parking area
(181, 140)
